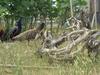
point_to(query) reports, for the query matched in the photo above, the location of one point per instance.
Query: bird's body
(29, 34)
(1, 33)
(9, 33)
(1, 30)
(16, 30)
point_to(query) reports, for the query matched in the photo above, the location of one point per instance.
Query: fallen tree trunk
(67, 52)
(51, 43)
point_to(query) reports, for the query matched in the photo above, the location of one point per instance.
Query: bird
(17, 29)
(9, 33)
(1, 31)
(29, 34)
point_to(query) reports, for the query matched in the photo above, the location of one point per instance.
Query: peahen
(30, 34)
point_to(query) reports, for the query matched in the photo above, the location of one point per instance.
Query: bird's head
(19, 22)
(41, 26)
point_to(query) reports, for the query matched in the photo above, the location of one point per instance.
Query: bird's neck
(19, 27)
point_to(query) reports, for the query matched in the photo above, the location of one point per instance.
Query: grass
(20, 54)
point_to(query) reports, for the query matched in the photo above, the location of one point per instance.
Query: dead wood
(92, 44)
(66, 52)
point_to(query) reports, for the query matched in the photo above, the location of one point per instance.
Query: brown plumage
(29, 34)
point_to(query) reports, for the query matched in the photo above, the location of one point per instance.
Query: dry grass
(20, 54)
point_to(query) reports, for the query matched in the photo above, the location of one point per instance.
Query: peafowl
(30, 34)
(1, 31)
(10, 33)
(17, 29)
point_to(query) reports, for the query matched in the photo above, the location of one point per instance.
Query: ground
(21, 55)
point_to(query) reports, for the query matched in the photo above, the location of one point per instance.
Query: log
(67, 52)
(54, 42)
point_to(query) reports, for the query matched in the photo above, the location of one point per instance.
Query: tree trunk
(31, 25)
(57, 31)
(35, 19)
(51, 24)
(45, 23)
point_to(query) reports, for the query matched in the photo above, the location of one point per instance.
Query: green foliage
(60, 9)
(3, 11)
(36, 7)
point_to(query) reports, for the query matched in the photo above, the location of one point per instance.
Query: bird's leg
(28, 42)
(35, 44)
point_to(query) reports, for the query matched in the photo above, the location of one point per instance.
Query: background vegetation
(20, 54)
(37, 10)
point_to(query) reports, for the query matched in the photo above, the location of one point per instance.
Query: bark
(51, 23)
(67, 52)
